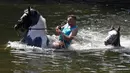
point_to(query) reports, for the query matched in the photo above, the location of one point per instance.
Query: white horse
(34, 27)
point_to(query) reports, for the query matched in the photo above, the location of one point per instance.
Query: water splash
(88, 39)
(85, 40)
(18, 47)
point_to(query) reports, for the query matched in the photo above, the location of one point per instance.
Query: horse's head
(113, 37)
(29, 18)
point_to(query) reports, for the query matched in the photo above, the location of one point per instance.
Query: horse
(113, 37)
(33, 25)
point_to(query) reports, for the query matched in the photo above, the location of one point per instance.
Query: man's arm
(72, 35)
(58, 29)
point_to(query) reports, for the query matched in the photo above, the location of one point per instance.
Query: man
(66, 33)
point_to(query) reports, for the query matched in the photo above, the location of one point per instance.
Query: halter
(37, 28)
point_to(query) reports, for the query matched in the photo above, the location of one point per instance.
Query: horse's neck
(41, 23)
(39, 28)
(117, 43)
(119, 39)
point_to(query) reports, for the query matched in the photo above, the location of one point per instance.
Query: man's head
(71, 19)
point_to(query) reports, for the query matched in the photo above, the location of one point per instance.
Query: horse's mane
(32, 11)
(34, 15)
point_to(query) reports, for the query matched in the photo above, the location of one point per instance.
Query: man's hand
(58, 31)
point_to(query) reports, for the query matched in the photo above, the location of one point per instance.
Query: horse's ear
(112, 27)
(118, 29)
(29, 10)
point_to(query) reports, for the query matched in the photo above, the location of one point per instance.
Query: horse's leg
(47, 43)
(37, 41)
(28, 40)
(22, 40)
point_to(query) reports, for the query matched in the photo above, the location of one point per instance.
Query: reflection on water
(86, 55)
(70, 61)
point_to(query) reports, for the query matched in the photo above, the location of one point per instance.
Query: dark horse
(113, 37)
(34, 26)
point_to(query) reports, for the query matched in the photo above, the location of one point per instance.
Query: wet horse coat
(113, 37)
(35, 27)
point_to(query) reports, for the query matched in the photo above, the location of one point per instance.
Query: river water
(86, 55)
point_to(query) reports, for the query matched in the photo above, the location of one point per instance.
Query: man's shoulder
(75, 30)
(75, 27)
